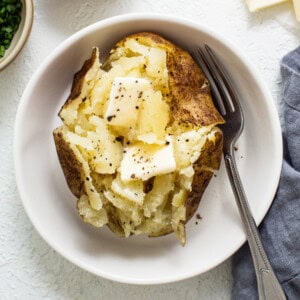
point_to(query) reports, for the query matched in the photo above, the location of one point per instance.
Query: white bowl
(21, 36)
(141, 260)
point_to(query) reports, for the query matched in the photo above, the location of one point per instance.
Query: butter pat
(143, 161)
(124, 100)
(297, 8)
(255, 5)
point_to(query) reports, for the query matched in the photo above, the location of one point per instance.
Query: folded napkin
(280, 230)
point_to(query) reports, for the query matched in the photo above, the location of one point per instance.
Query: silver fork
(227, 102)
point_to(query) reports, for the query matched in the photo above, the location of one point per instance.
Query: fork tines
(221, 86)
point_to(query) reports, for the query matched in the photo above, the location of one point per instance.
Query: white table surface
(29, 268)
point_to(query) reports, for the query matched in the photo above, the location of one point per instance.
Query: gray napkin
(280, 230)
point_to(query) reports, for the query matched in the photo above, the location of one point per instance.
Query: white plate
(141, 260)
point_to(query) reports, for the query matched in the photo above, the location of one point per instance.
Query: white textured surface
(29, 268)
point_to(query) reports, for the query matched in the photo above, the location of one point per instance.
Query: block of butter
(255, 5)
(297, 8)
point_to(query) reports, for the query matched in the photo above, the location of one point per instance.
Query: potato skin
(78, 79)
(71, 166)
(210, 159)
(191, 103)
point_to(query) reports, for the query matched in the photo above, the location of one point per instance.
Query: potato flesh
(133, 190)
(161, 209)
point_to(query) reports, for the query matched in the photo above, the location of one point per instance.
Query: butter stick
(255, 5)
(297, 8)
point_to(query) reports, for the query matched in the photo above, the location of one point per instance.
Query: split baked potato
(139, 141)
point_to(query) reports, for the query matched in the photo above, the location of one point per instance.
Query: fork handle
(268, 286)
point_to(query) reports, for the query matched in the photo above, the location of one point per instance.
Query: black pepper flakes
(198, 216)
(120, 138)
(109, 118)
(148, 185)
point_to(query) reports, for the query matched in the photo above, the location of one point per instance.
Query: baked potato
(139, 141)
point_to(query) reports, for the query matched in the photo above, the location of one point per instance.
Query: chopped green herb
(10, 18)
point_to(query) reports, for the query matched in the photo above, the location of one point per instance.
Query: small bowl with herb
(16, 18)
